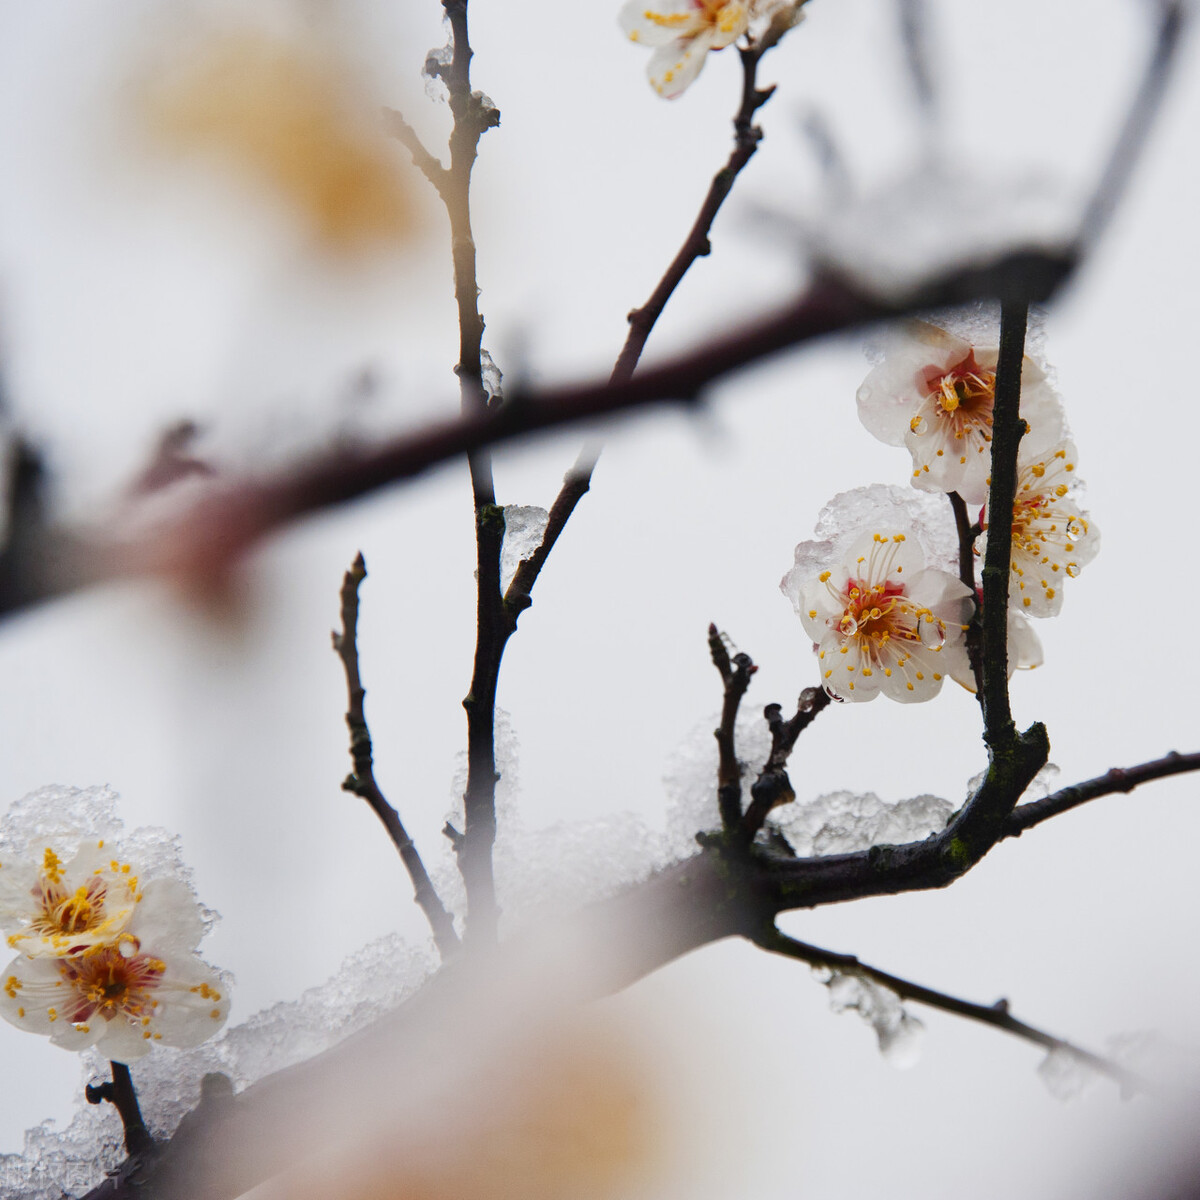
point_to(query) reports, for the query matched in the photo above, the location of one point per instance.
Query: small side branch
(426, 162)
(967, 533)
(996, 1015)
(120, 1093)
(773, 787)
(1118, 779)
(361, 781)
(735, 675)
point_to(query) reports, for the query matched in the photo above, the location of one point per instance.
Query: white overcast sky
(130, 297)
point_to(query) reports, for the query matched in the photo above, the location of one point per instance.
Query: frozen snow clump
(843, 822)
(899, 1033)
(524, 526)
(1065, 1074)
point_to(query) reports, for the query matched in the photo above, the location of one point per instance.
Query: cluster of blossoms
(882, 620)
(104, 957)
(682, 32)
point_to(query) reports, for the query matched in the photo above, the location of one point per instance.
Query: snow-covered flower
(682, 32)
(1052, 538)
(934, 393)
(121, 998)
(106, 956)
(882, 622)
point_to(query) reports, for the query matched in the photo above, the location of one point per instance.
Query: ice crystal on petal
(1053, 539)
(524, 526)
(933, 393)
(881, 622)
(899, 1034)
(843, 822)
(1066, 1075)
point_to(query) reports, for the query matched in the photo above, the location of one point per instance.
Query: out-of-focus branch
(361, 781)
(996, 1015)
(735, 675)
(1118, 779)
(235, 514)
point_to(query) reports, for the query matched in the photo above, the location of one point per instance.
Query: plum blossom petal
(1024, 650)
(1052, 537)
(934, 392)
(684, 32)
(881, 622)
(119, 998)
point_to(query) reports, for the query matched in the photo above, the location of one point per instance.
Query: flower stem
(120, 1093)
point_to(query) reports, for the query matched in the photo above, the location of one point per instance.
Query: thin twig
(996, 1015)
(746, 136)
(361, 781)
(773, 787)
(121, 1094)
(735, 676)
(1118, 779)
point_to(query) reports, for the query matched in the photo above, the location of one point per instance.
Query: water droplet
(932, 632)
(849, 625)
(918, 425)
(1073, 569)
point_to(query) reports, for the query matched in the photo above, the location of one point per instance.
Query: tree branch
(362, 782)
(1118, 779)
(996, 1015)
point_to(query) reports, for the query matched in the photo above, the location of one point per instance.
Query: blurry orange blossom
(287, 115)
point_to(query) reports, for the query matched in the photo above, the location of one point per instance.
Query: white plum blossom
(934, 392)
(1052, 538)
(881, 622)
(682, 32)
(106, 958)
(121, 998)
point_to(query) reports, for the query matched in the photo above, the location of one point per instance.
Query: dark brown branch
(120, 1093)
(1013, 758)
(735, 676)
(996, 1015)
(773, 787)
(1118, 779)
(361, 781)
